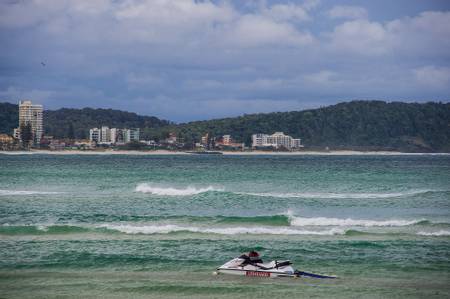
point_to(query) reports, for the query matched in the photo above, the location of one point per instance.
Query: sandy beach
(231, 153)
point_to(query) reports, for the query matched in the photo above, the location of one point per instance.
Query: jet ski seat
(274, 265)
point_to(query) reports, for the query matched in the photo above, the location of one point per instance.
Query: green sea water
(126, 226)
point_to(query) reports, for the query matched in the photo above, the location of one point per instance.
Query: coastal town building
(205, 139)
(105, 135)
(226, 142)
(276, 140)
(94, 135)
(8, 143)
(109, 136)
(172, 139)
(56, 145)
(130, 135)
(31, 115)
(116, 134)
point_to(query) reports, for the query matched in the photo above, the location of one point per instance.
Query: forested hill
(9, 118)
(62, 122)
(364, 125)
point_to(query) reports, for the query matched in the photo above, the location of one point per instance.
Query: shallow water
(158, 226)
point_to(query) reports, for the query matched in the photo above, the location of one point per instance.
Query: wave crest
(441, 233)
(24, 192)
(332, 195)
(171, 228)
(323, 221)
(170, 191)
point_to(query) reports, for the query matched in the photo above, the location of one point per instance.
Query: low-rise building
(172, 139)
(205, 139)
(277, 140)
(57, 145)
(226, 142)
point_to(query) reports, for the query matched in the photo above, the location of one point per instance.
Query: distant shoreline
(226, 153)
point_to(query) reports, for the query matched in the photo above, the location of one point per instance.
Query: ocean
(129, 226)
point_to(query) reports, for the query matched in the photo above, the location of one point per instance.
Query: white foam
(165, 229)
(18, 192)
(323, 221)
(331, 195)
(171, 191)
(42, 227)
(435, 234)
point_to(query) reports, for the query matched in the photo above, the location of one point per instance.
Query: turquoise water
(158, 226)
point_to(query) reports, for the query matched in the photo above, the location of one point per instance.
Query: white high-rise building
(105, 135)
(114, 133)
(276, 140)
(32, 115)
(94, 135)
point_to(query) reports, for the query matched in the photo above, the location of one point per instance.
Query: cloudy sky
(188, 60)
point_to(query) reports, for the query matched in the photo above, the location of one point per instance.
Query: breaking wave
(41, 229)
(155, 229)
(170, 228)
(158, 229)
(170, 191)
(19, 192)
(332, 195)
(441, 233)
(323, 221)
(192, 190)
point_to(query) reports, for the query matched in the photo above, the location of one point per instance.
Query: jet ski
(251, 265)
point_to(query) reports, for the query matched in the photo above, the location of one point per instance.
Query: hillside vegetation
(9, 118)
(364, 125)
(63, 123)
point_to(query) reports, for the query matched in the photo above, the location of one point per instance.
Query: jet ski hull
(237, 266)
(254, 273)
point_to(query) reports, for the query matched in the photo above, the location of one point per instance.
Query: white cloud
(255, 30)
(180, 53)
(14, 93)
(286, 12)
(432, 76)
(348, 12)
(310, 4)
(427, 34)
(361, 37)
(202, 84)
(321, 77)
(143, 80)
(263, 84)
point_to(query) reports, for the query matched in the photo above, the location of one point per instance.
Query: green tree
(71, 132)
(26, 135)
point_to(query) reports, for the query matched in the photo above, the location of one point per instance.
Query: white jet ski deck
(252, 265)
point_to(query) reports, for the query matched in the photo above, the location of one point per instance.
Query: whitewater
(145, 226)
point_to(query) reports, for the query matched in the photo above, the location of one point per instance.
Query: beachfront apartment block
(110, 136)
(94, 135)
(276, 140)
(130, 135)
(32, 115)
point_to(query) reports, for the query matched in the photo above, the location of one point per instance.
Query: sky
(186, 60)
